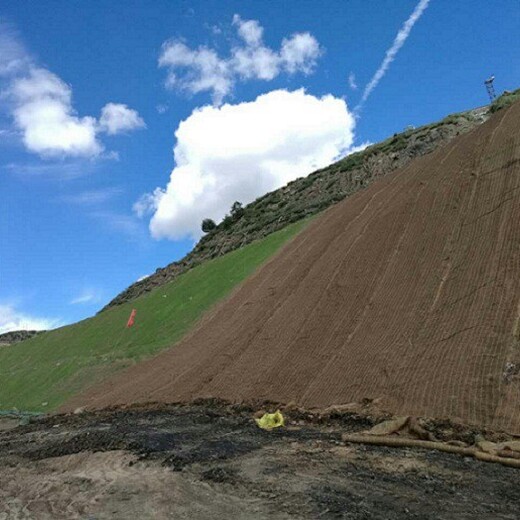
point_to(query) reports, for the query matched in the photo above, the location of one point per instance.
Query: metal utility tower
(490, 88)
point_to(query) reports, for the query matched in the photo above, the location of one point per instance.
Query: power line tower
(490, 88)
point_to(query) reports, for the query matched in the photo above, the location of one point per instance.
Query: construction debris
(406, 432)
(268, 421)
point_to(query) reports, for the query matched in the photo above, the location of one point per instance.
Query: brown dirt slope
(407, 292)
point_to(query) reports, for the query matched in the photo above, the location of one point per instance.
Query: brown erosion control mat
(407, 293)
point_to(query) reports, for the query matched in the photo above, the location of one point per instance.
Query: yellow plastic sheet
(268, 421)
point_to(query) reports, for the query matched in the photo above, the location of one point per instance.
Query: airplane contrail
(391, 53)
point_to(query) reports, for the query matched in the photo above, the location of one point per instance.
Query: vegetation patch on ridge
(506, 99)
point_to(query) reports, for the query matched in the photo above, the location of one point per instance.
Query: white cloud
(359, 147)
(391, 53)
(255, 62)
(127, 225)
(12, 319)
(44, 113)
(202, 69)
(146, 203)
(116, 118)
(92, 197)
(249, 30)
(88, 295)
(55, 170)
(40, 104)
(352, 81)
(299, 53)
(13, 56)
(239, 152)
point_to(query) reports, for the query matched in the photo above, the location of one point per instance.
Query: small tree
(208, 225)
(237, 210)
(227, 222)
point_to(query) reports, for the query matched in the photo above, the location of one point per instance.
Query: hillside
(310, 195)
(41, 372)
(407, 292)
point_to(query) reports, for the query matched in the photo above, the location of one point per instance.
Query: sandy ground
(210, 462)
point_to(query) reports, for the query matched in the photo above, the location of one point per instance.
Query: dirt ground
(213, 462)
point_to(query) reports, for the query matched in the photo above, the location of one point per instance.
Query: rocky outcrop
(8, 338)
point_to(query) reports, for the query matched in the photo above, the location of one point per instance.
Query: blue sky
(94, 93)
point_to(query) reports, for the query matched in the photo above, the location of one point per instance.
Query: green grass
(39, 374)
(504, 100)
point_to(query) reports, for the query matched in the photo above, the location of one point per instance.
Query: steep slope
(408, 291)
(312, 194)
(41, 372)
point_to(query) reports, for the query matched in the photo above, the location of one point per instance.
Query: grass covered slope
(42, 372)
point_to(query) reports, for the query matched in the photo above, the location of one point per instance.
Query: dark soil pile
(407, 293)
(212, 463)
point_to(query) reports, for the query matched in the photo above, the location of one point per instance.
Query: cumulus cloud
(249, 30)
(12, 319)
(299, 53)
(239, 152)
(391, 53)
(44, 113)
(116, 118)
(202, 69)
(40, 104)
(196, 70)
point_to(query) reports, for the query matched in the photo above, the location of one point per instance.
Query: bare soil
(212, 462)
(407, 293)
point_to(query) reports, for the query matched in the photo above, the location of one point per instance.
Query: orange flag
(131, 320)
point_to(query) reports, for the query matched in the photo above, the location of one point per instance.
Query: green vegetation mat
(40, 373)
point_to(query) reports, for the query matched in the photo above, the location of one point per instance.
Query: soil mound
(407, 292)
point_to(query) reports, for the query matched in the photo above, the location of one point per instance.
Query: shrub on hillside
(504, 100)
(227, 222)
(237, 211)
(208, 225)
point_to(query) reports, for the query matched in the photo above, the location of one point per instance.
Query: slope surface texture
(407, 292)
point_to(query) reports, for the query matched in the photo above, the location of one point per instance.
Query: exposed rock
(8, 338)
